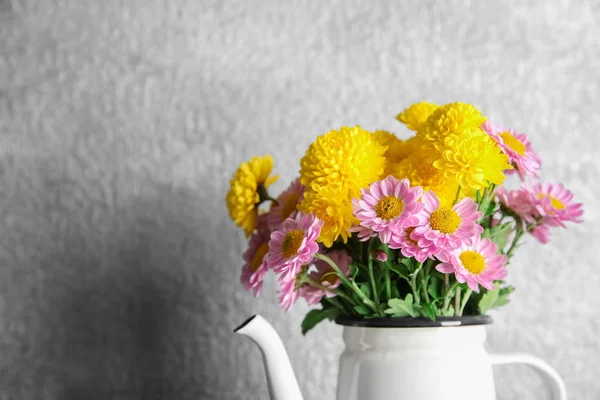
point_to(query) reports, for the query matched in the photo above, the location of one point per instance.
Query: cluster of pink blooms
(286, 243)
(405, 218)
(418, 225)
(541, 206)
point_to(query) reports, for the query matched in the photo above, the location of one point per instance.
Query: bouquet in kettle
(378, 227)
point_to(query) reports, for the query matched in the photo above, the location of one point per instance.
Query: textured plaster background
(121, 123)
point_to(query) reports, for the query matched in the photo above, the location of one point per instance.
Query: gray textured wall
(122, 121)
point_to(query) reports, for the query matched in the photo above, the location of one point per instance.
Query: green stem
(371, 275)
(457, 194)
(413, 283)
(347, 282)
(513, 245)
(464, 301)
(501, 219)
(447, 296)
(263, 195)
(425, 279)
(388, 286)
(457, 302)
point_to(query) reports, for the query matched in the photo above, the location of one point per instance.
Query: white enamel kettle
(401, 363)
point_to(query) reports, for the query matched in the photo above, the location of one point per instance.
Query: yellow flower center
(445, 220)
(329, 277)
(554, 202)
(472, 261)
(408, 232)
(289, 205)
(291, 243)
(262, 250)
(515, 144)
(389, 207)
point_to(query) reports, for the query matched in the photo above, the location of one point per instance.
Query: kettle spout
(281, 380)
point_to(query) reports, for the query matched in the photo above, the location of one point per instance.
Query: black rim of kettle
(390, 322)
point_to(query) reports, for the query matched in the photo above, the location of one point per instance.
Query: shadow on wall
(116, 312)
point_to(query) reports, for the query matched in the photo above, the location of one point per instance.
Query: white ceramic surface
(425, 364)
(281, 380)
(400, 364)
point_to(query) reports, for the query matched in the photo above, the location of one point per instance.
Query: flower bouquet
(379, 227)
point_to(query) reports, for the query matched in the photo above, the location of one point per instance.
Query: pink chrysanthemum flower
(541, 233)
(255, 267)
(517, 148)
(287, 201)
(294, 244)
(418, 247)
(555, 204)
(288, 293)
(444, 227)
(477, 264)
(522, 202)
(324, 275)
(385, 208)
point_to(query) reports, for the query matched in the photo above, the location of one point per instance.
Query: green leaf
(429, 310)
(315, 316)
(400, 271)
(490, 209)
(353, 270)
(362, 309)
(407, 262)
(499, 234)
(488, 300)
(449, 313)
(401, 308)
(434, 287)
(364, 287)
(503, 296)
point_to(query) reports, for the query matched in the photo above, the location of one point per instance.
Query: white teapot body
(415, 363)
(386, 361)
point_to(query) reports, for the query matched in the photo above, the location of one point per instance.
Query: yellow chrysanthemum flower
(385, 138)
(332, 205)
(473, 159)
(396, 150)
(246, 187)
(415, 116)
(419, 170)
(453, 118)
(349, 157)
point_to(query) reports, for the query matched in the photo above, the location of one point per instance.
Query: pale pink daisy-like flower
(385, 208)
(413, 246)
(522, 202)
(288, 293)
(294, 244)
(476, 264)
(255, 267)
(555, 204)
(445, 228)
(541, 233)
(517, 148)
(324, 275)
(287, 202)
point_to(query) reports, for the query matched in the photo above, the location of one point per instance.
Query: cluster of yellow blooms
(449, 154)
